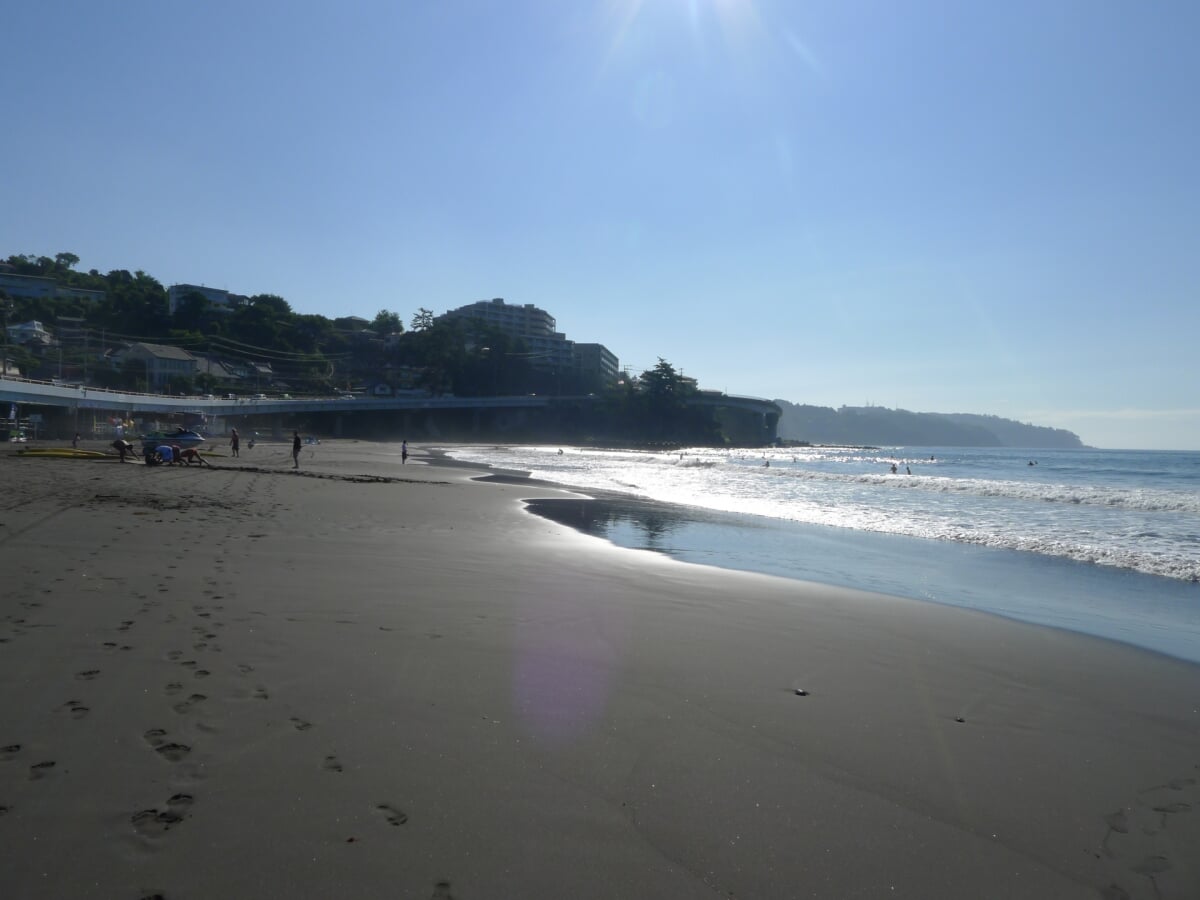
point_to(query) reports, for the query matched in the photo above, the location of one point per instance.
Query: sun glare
(735, 21)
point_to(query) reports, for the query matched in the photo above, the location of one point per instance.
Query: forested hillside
(879, 425)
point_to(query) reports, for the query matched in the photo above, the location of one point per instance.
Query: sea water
(1103, 542)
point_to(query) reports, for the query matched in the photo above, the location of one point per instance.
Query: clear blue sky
(941, 206)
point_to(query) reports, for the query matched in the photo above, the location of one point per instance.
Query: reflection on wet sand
(650, 523)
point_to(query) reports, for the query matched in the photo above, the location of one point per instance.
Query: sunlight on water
(1135, 511)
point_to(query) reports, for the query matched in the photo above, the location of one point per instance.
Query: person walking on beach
(234, 441)
(403, 452)
(296, 449)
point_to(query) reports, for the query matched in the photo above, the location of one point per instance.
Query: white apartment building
(549, 349)
(522, 321)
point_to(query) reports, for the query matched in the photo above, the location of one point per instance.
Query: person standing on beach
(296, 449)
(234, 441)
(403, 452)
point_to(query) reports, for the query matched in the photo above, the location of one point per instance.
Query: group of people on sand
(171, 454)
(163, 455)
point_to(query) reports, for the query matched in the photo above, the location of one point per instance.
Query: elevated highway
(761, 416)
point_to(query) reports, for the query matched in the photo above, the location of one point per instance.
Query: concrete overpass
(752, 418)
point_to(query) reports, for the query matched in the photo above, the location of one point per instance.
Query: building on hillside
(596, 363)
(223, 375)
(549, 350)
(351, 324)
(39, 287)
(218, 298)
(162, 362)
(32, 334)
(527, 321)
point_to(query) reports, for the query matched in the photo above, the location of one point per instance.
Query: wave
(1144, 500)
(1142, 528)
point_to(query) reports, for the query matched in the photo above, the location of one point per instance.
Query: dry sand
(241, 682)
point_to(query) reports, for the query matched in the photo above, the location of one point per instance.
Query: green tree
(387, 322)
(659, 409)
(179, 384)
(664, 386)
(422, 320)
(206, 383)
(66, 261)
(274, 302)
(194, 312)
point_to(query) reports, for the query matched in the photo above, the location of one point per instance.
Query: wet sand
(367, 680)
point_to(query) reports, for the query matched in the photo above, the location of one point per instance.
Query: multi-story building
(38, 287)
(549, 350)
(526, 321)
(592, 360)
(217, 297)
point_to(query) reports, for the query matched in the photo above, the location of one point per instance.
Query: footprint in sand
(1134, 839)
(245, 669)
(169, 750)
(173, 688)
(331, 764)
(87, 675)
(441, 891)
(154, 821)
(10, 751)
(189, 704)
(301, 724)
(75, 708)
(394, 816)
(41, 770)
(173, 752)
(260, 693)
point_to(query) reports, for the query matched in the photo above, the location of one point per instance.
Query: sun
(734, 23)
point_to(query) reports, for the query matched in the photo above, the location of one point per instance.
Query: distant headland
(880, 425)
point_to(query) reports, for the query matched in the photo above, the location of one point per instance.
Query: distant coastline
(873, 426)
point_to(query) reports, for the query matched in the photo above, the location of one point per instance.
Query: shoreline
(999, 582)
(241, 684)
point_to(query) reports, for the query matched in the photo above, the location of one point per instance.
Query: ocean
(1102, 542)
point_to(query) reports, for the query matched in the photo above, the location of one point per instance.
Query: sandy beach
(368, 680)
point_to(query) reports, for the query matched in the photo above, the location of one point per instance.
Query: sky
(936, 206)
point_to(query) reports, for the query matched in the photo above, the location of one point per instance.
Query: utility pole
(4, 306)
